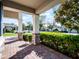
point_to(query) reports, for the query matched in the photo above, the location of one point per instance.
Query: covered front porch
(15, 8)
(19, 49)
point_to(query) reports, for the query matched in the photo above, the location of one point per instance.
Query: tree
(50, 26)
(29, 26)
(41, 20)
(68, 14)
(24, 27)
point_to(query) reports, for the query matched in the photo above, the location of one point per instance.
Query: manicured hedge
(67, 44)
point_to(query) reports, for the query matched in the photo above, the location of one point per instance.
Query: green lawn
(12, 34)
(9, 34)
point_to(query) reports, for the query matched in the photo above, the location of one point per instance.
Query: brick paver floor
(21, 50)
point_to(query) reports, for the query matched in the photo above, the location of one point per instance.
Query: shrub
(27, 37)
(67, 44)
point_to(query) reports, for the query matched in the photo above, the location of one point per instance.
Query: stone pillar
(20, 33)
(36, 34)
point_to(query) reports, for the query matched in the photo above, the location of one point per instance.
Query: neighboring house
(73, 31)
(9, 27)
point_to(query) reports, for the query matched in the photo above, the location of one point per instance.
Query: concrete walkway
(21, 50)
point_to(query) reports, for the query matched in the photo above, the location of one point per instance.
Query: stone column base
(20, 36)
(35, 38)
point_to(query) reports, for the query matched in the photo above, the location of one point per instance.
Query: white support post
(2, 24)
(1, 28)
(1, 18)
(20, 36)
(36, 38)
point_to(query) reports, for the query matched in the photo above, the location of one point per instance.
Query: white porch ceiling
(31, 3)
(35, 6)
(39, 5)
(32, 6)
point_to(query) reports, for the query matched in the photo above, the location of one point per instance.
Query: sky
(28, 18)
(50, 14)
